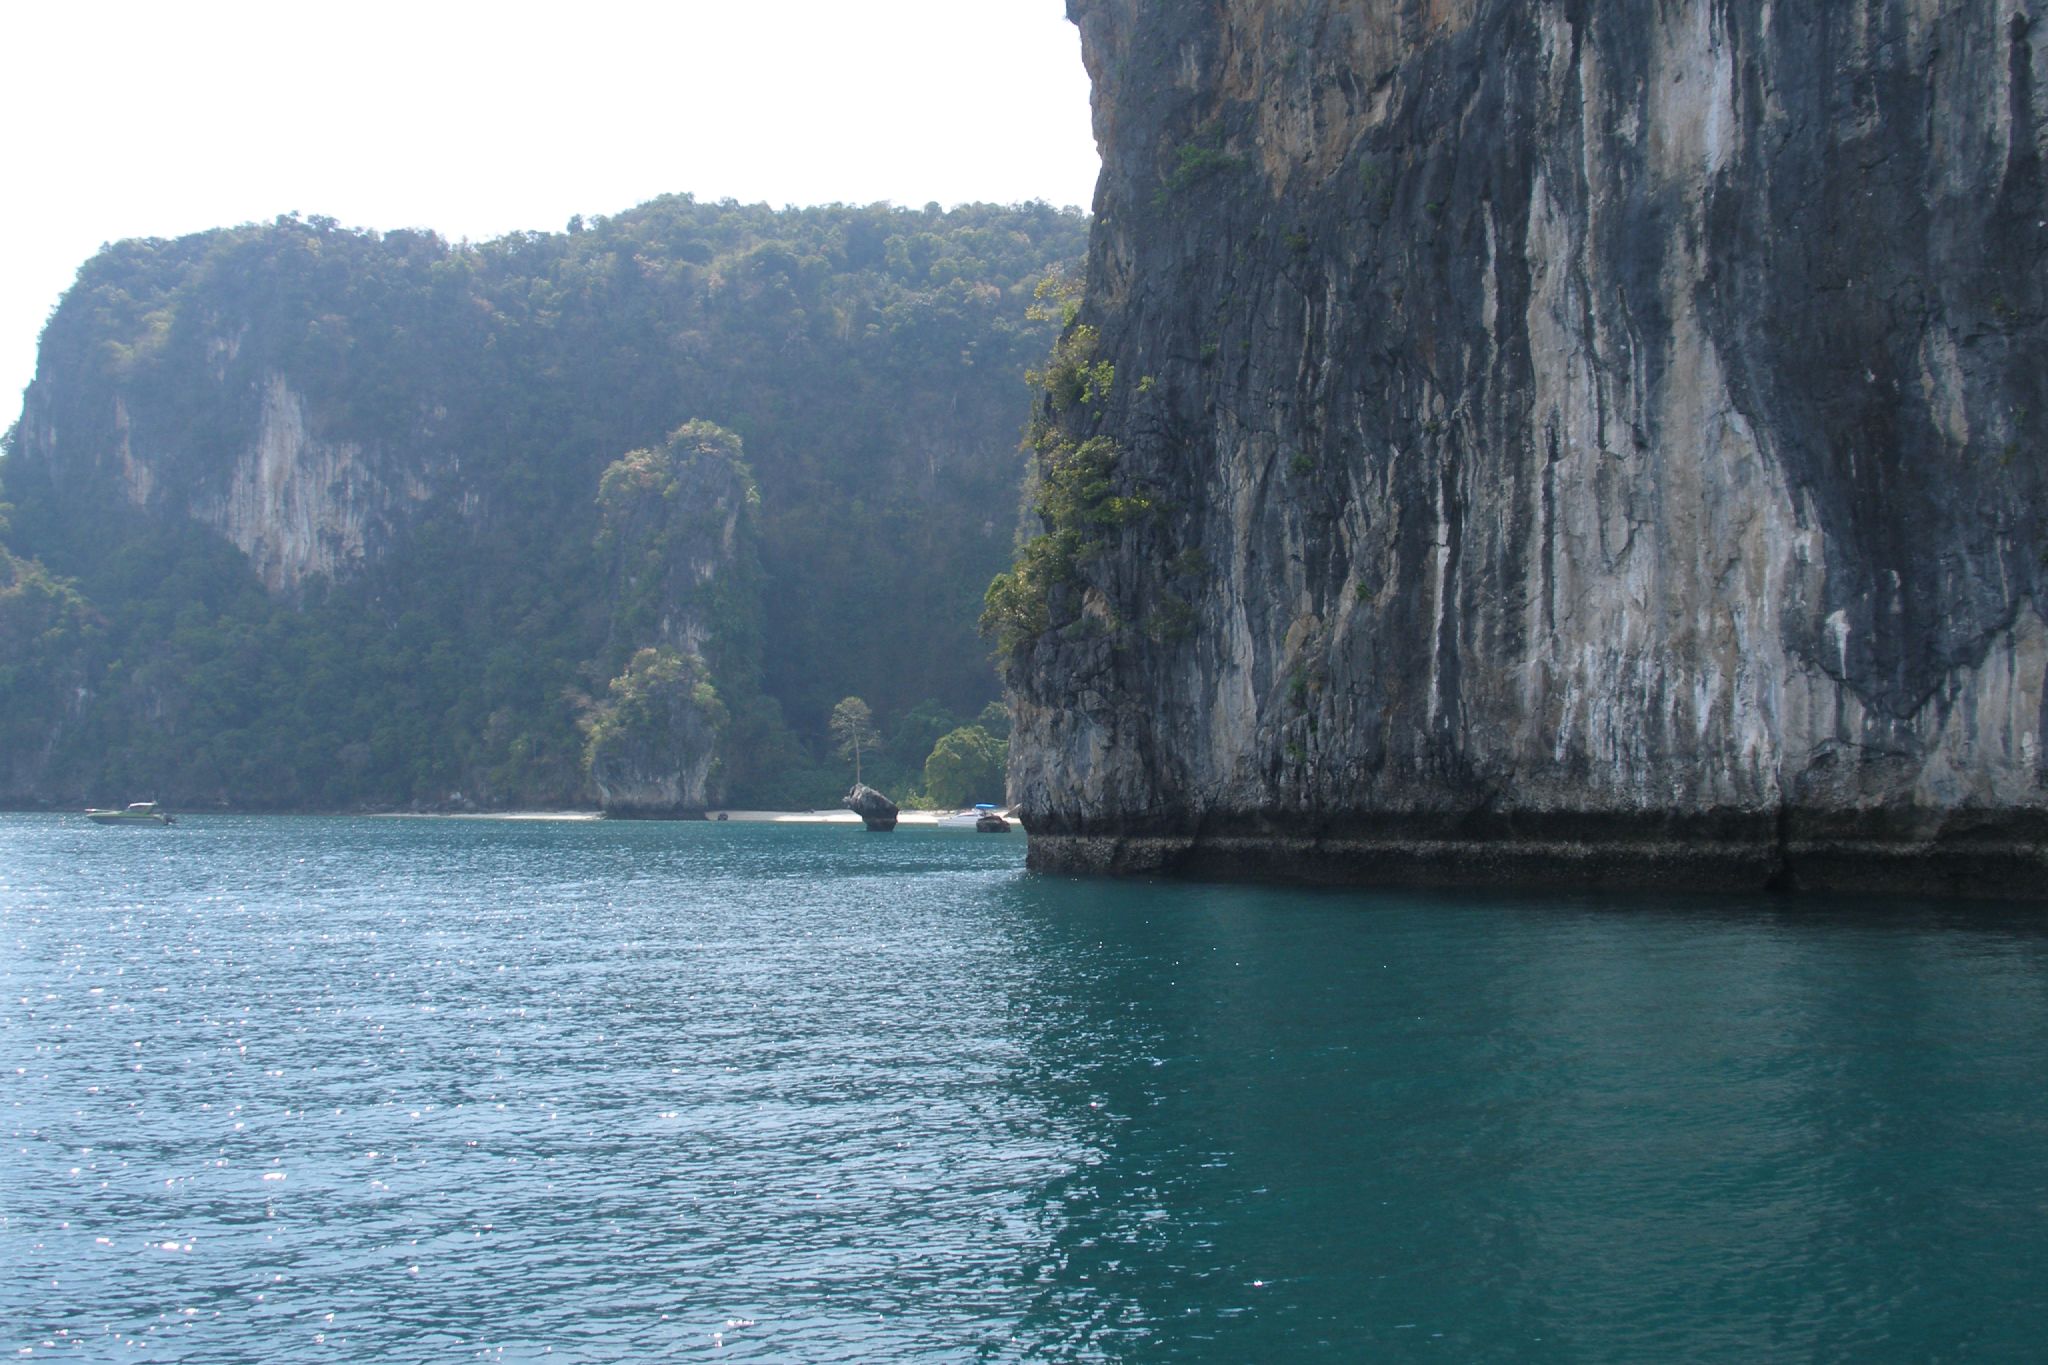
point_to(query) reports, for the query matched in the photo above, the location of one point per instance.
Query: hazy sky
(155, 119)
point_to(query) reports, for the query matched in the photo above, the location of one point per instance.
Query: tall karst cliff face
(679, 538)
(1593, 440)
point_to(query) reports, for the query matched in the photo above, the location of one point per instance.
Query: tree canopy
(967, 765)
(853, 730)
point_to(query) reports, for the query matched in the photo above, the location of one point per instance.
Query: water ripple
(424, 1090)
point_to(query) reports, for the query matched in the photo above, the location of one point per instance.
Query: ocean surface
(279, 1089)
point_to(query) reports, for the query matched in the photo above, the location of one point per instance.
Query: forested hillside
(307, 517)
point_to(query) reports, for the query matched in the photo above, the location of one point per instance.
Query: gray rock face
(301, 502)
(1595, 442)
(653, 747)
(876, 811)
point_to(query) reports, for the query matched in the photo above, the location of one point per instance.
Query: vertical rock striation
(1587, 442)
(300, 502)
(301, 507)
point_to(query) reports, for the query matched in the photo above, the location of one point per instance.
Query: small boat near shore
(135, 813)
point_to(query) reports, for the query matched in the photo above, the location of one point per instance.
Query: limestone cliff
(1582, 441)
(679, 540)
(300, 502)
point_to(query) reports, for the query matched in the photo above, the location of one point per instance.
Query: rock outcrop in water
(685, 589)
(875, 810)
(654, 752)
(677, 521)
(1591, 442)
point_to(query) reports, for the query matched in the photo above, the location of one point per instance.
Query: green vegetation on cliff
(678, 530)
(45, 630)
(1077, 498)
(446, 631)
(653, 743)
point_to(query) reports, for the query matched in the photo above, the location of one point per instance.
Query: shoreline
(938, 818)
(935, 818)
(843, 817)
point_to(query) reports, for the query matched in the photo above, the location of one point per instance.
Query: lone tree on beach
(853, 726)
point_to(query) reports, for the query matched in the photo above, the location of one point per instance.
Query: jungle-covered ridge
(868, 363)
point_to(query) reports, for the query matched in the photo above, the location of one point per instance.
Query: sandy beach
(847, 817)
(964, 819)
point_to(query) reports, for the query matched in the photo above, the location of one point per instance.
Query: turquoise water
(308, 1089)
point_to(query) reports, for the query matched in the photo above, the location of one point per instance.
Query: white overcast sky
(476, 119)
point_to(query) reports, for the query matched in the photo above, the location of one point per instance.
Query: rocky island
(1590, 443)
(876, 811)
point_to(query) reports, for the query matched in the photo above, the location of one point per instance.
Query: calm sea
(308, 1089)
